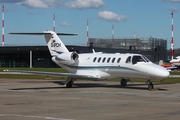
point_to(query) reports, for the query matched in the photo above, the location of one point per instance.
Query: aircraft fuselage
(106, 66)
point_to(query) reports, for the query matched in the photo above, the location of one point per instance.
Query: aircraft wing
(70, 75)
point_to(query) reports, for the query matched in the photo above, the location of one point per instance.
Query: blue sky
(145, 17)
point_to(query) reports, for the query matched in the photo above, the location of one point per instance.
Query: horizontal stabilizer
(43, 33)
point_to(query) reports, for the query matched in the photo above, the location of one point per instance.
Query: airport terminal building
(38, 56)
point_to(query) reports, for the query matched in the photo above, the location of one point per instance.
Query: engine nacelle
(67, 58)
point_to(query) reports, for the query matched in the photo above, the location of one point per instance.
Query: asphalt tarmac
(88, 100)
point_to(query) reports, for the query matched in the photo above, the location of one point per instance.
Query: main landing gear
(69, 82)
(124, 81)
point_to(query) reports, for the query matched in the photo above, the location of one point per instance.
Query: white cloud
(110, 16)
(75, 4)
(33, 3)
(85, 4)
(54, 3)
(36, 3)
(171, 1)
(65, 24)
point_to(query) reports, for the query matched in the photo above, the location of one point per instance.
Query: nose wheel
(150, 85)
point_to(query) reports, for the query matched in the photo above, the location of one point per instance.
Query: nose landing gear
(150, 85)
(124, 81)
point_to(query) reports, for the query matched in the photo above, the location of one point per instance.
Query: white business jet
(176, 61)
(98, 65)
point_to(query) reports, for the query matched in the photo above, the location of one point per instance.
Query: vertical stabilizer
(54, 43)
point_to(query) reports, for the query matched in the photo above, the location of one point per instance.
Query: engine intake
(74, 56)
(69, 58)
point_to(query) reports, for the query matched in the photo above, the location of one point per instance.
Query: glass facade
(19, 56)
(22, 59)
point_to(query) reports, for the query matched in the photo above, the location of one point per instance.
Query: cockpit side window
(128, 60)
(136, 59)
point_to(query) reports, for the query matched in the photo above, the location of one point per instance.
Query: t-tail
(54, 43)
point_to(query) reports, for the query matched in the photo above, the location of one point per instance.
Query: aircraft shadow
(129, 86)
(36, 88)
(92, 85)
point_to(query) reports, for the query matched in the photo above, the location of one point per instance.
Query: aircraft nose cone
(165, 73)
(159, 72)
(162, 72)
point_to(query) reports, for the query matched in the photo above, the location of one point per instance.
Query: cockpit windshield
(147, 60)
(139, 58)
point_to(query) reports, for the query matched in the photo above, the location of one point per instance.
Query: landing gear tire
(150, 86)
(70, 83)
(123, 82)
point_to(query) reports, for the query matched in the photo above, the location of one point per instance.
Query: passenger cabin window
(103, 59)
(108, 60)
(128, 60)
(118, 60)
(99, 59)
(113, 60)
(136, 59)
(94, 59)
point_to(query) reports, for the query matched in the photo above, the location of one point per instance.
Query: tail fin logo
(54, 44)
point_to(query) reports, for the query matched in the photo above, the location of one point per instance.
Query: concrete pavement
(48, 100)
